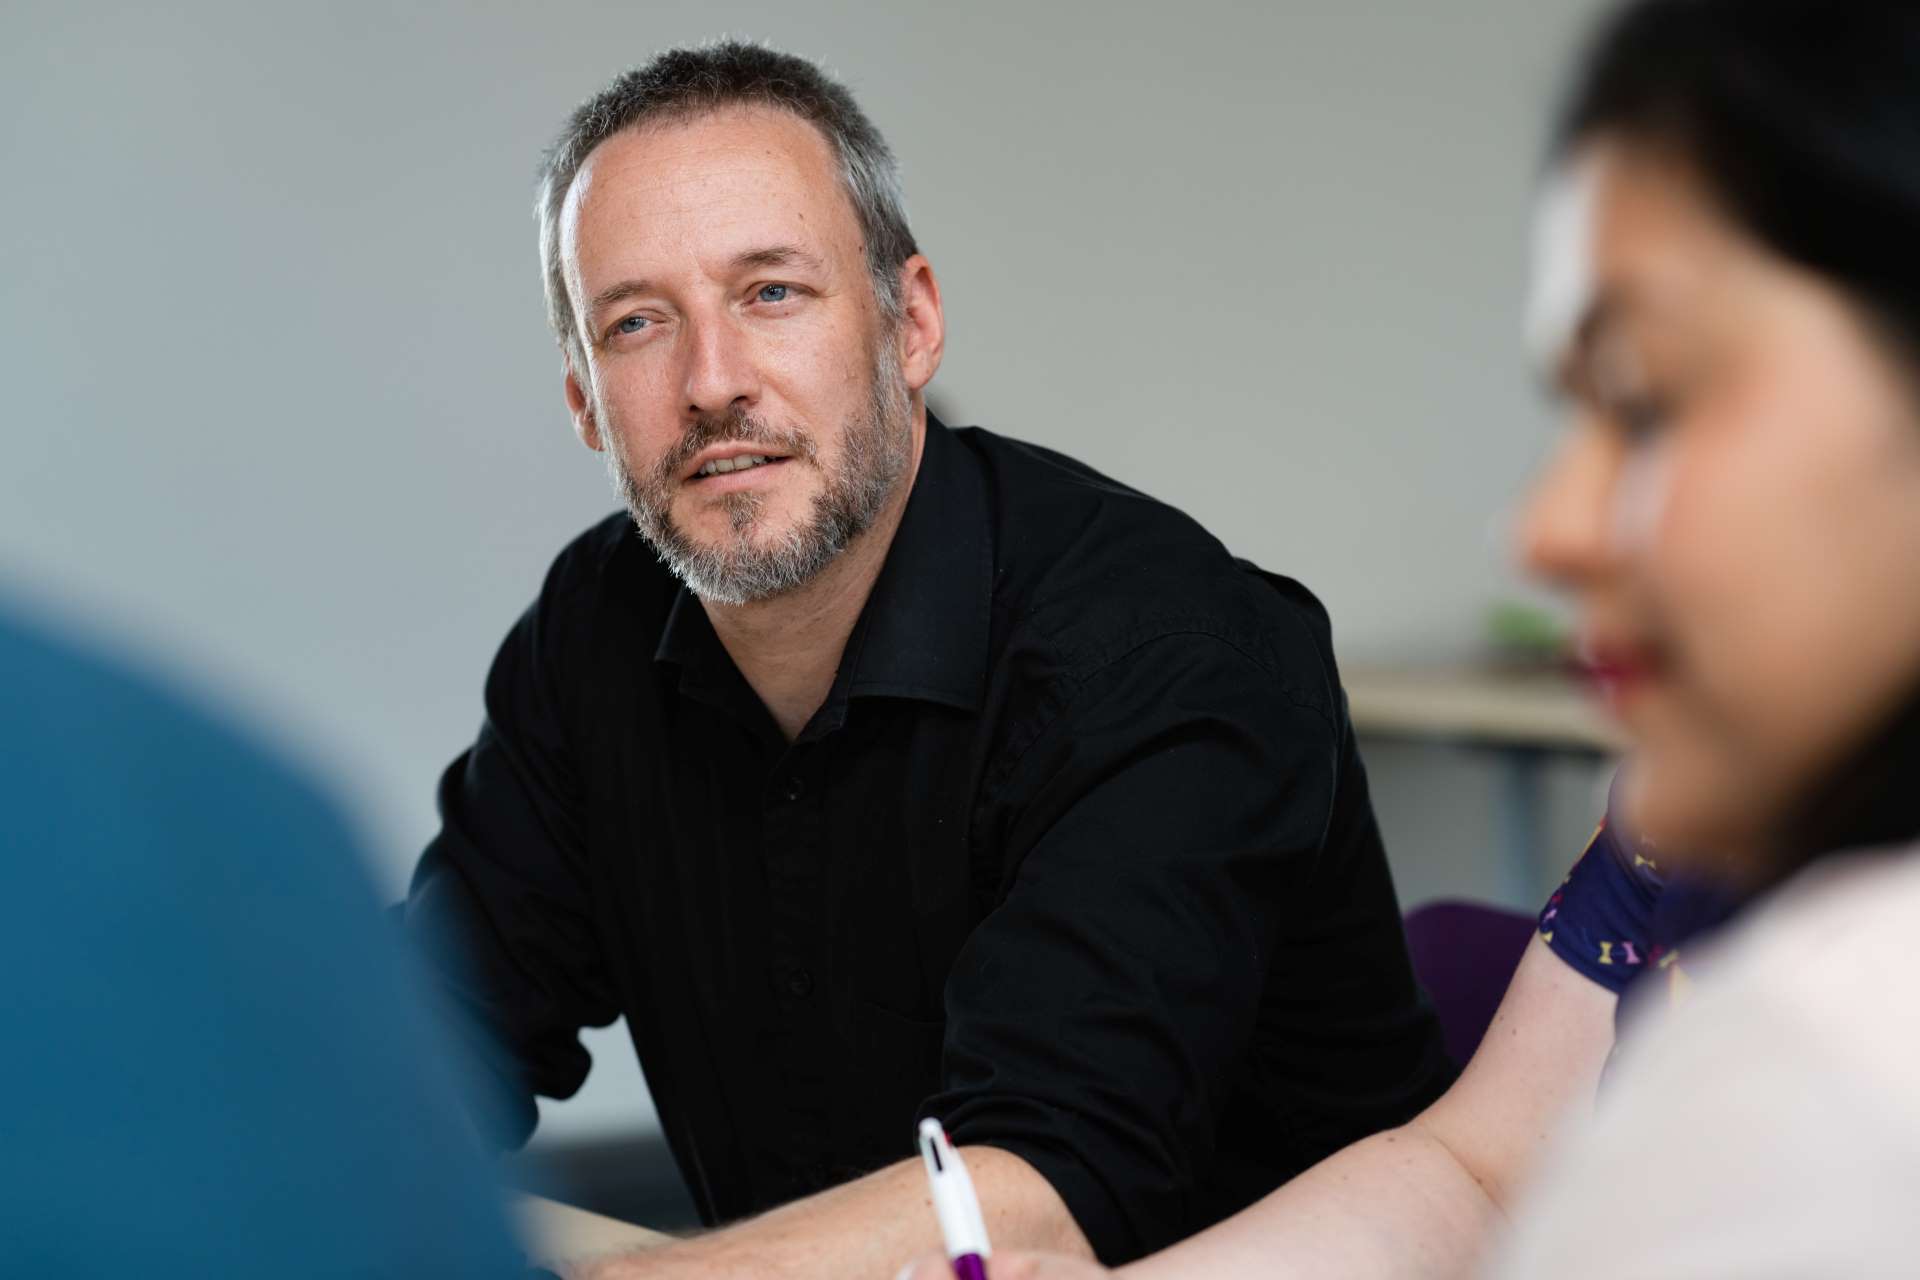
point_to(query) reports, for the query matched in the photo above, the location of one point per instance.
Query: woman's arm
(1423, 1199)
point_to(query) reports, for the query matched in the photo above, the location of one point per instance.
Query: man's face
(739, 373)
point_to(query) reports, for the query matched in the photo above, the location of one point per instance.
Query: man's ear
(923, 324)
(580, 405)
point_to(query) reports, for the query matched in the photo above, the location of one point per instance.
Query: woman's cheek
(1641, 496)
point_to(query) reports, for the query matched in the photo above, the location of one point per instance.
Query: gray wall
(281, 409)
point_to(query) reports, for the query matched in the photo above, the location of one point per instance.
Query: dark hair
(1802, 117)
(682, 84)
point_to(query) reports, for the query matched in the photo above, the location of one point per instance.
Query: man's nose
(720, 372)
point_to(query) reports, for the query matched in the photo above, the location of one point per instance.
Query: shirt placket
(793, 820)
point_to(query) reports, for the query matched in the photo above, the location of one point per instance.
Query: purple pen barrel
(969, 1266)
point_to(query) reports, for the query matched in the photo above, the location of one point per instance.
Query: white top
(1771, 1126)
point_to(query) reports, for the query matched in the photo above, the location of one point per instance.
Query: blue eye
(632, 324)
(773, 293)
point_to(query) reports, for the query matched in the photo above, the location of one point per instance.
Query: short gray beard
(876, 448)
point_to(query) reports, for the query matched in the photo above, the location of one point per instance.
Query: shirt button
(793, 788)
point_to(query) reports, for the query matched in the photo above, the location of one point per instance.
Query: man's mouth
(720, 466)
(732, 464)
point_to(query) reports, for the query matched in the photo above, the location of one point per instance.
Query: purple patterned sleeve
(1599, 919)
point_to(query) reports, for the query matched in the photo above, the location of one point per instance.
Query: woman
(1729, 295)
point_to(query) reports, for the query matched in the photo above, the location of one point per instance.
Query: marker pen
(953, 1200)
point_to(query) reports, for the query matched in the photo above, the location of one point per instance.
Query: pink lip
(1619, 675)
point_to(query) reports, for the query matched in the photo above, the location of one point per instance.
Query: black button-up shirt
(1077, 855)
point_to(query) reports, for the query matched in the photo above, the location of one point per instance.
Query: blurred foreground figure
(1728, 294)
(211, 1066)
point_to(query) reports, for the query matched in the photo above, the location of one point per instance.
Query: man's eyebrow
(617, 292)
(779, 255)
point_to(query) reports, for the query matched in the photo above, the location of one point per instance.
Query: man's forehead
(685, 184)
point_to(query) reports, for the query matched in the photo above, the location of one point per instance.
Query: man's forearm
(865, 1228)
(1397, 1204)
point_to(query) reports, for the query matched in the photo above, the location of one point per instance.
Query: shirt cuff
(1042, 1137)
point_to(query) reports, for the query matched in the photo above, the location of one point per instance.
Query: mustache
(735, 426)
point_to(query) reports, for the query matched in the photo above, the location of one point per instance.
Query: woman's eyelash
(1640, 415)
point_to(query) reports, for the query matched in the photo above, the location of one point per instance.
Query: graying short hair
(684, 84)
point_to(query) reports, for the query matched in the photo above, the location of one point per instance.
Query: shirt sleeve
(1095, 1018)
(1599, 919)
(500, 904)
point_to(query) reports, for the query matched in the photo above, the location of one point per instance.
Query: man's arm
(861, 1229)
(1424, 1199)
(501, 903)
(1102, 1021)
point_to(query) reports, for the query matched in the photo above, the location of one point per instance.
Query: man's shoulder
(608, 561)
(602, 547)
(1065, 531)
(1099, 569)
(605, 597)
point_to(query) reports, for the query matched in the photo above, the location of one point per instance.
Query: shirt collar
(924, 631)
(687, 639)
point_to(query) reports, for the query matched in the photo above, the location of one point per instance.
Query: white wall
(281, 408)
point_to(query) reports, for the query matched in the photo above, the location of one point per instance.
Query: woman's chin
(1700, 817)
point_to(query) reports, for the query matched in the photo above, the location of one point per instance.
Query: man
(912, 771)
(213, 1066)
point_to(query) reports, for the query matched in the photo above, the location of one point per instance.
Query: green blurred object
(1529, 635)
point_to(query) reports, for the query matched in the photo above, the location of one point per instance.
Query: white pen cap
(962, 1226)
